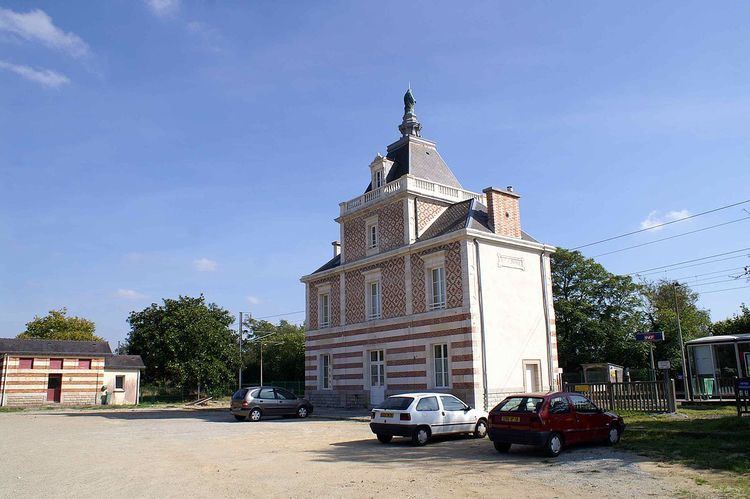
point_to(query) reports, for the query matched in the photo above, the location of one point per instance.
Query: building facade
(39, 372)
(431, 287)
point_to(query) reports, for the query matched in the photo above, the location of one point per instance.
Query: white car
(421, 415)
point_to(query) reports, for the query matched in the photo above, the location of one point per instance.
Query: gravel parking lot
(207, 453)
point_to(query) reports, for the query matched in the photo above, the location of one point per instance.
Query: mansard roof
(420, 158)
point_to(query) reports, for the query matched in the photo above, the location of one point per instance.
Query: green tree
(695, 321)
(283, 351)
(56, 325)
(737, 324)
(185, 342)
(597, 313)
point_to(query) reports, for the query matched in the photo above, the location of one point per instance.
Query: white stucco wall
(514, 318)
(129, 394)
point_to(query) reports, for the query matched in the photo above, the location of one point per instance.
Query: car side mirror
(467, 408)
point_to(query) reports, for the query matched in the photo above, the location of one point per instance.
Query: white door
(456, 418)
(531, 377)
(377, 377)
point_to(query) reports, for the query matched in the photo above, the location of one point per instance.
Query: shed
(122, 379)
(715, 361)
(602, 372)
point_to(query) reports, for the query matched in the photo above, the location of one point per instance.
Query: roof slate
(124, 362)
(52, 347)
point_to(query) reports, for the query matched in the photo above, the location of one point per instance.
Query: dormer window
(378, 179)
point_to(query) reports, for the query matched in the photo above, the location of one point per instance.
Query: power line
(689, 261)
(719, 290)
(671, 237)
(661, 224)
(687, 277)
(279, 315)
(712, 282)
(641, 274)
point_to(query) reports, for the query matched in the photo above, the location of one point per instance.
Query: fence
(647, 396)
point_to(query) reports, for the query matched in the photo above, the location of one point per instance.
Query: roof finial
(410, 125)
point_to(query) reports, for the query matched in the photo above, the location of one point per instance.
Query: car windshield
(239, 394)
(520, 404)
(397, 403)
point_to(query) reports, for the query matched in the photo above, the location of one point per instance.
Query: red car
(551, 421)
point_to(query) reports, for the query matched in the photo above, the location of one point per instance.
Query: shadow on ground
(219, 416)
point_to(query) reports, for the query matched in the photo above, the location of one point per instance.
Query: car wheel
(421, 435)
(255, 415)
(480, 430)
(502, 446)
(613, 436)
(384, 438)
(240, 418)
(302, 412)
(553, 445)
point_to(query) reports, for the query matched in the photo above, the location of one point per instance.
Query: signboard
(743, 384)
(652, 336)
(663, 364)
(581, 388)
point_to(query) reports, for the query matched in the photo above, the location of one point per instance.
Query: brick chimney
(336, 248)
(503, 211)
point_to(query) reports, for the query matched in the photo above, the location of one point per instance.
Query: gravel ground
(207, 453)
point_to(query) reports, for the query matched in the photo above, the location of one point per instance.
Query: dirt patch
(207, 453)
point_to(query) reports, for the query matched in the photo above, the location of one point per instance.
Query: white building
(433, 287)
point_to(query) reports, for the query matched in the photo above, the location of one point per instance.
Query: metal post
(682, 345)
(261, 363)
(239, 374)
(653, 367)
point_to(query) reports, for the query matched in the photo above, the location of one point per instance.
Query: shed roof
(124, 362)
(727, 338)
(54, 347)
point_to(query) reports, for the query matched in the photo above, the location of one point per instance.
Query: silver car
(254, 403)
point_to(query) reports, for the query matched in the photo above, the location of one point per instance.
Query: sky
(150, 149)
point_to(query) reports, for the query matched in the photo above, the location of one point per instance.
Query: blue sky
(150, 149)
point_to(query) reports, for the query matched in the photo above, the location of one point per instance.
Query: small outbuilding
(602, 372)
(38, 372)
(714, 362)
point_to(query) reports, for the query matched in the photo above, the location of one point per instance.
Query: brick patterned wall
(390, 230)
(335, 298)
(393, 289)
(504, 213)
(453, 277)
(426, 212)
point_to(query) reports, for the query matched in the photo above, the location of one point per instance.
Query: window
(428, 404)
(120, 382)
(240, 394)
(266, 393)
(377, 368)
(452, 403)
(559, 405)
(26, 363)
(437, 288)
(397, 403)
(325, 310)
(378, 179)
(582, 404)
(55, 363)
(372, 236)
(326, 374)
(441, 365)
(285, 394)
(520, 404)
(84, 363)
(373, 310)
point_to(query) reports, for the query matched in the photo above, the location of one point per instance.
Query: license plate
(386, 414)
(510, 419)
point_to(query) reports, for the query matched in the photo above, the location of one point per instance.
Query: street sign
(652, 336)
(663, 364)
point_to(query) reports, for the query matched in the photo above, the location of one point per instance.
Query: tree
(57, 326)
(737, 324)
(283, 351)
(186, 343)
(597, 313)
(695, 322)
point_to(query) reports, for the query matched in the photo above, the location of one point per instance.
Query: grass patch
(707, 439)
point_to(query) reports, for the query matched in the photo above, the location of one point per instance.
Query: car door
(287, 401)
(455, 415)
(586, 415)
(562, 419)
(429, 412)
(267, 401)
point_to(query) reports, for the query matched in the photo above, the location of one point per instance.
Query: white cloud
(253, 300)
(130, 294)
(656, 218)
(37, 26)
(205, 265)
(163, 8)
(46, 77)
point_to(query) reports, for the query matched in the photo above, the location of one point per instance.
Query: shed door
(54, 387)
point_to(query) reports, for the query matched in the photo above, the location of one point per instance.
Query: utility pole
(685, 380)
(239, 374)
